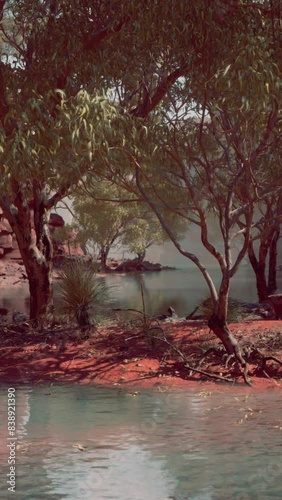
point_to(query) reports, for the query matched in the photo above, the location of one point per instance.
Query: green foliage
(108, 215)
(83, 295)
(147, 326)
(185, 95)
(236, 312)
(67, 235)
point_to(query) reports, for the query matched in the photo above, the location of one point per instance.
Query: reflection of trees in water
(156, 300)
(155, 435)
(108, 424)
(181, 290)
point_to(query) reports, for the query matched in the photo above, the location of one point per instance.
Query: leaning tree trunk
(218, 324)
(36, 251)
(220, 328)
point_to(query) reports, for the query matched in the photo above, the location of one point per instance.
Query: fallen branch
(187, 365)
(214, 350)
(273, 358)
(268, 358)
(190, 316)
(134, 310)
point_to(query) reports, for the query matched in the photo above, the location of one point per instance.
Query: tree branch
(150, 103)
(61, 193)
(2, 5)
(169, 232)
(92, 42)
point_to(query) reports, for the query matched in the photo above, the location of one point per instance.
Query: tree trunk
(84, 248)
(40, 285)
(141, 256)
(272, 265)
(218, 323)
(261, 283)
(36, 253)
(104, 252)
(259, 267)
(221, 330)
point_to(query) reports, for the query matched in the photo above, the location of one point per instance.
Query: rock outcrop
(135, 265)
(8, 242)
(56, 220)
(170, 315)
(276, 303)
(9, 246)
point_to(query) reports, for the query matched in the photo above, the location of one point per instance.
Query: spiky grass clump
(82, 294)
(235, 310)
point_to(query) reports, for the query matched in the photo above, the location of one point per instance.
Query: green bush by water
(235, 310)
(82, 294)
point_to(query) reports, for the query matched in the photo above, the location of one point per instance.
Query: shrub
(235, 310)
(82, 294)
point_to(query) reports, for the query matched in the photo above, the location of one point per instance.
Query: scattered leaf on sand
(79, 447)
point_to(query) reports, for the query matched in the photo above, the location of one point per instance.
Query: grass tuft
(82, 294)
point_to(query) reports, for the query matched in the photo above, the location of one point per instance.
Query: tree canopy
(183, 98)
(107, 215)
(211, 139)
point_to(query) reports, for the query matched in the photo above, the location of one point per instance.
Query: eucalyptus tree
(107, 216)
(208, 142)
(220, 154)
(52, 54)
(262, 247)
(91, 81)
(102, 222)
(40, 110)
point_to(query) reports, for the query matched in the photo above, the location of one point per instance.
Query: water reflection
(181, 289)
(87, 442)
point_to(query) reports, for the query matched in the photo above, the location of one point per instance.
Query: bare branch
(92, 42)
(168, 230)
(58, 196)
(2, 5)
(151, 102)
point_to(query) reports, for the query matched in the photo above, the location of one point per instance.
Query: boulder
(19, 317)
(149, 266)
(5, 227)
(276, 303)
(131, 266)
(170, 315)
(6, 241)
(56, 220)
(113, 263)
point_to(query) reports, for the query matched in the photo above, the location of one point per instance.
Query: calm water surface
(181, 289)
(152, 446)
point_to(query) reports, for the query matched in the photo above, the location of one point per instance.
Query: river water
(181, 289)
(99, 443)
